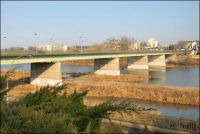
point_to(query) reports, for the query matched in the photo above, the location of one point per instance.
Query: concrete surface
(157, 60)
(107, 66)
(137, 62)
(45, 73)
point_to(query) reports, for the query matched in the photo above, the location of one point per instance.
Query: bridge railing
(17, 53)
(183, 124)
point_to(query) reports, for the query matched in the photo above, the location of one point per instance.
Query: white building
(152, 43)
(193, 45)
(27, 48)
(54, 47)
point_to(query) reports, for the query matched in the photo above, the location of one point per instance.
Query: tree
(126, 42)
(171, 47)
(182, 44)
(97, 47)
(50, 111)
(142, 45)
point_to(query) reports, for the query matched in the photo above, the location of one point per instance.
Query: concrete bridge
(46, 69)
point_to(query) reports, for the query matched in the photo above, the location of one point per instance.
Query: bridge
(46, 68)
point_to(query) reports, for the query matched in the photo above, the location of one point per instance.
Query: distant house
(193, 45)
(152, 43)
(28, 48)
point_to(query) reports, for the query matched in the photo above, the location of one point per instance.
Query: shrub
(49, 111)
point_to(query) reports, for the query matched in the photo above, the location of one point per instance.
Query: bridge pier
(157, 60)
(137, 62)
(46, 73)
(107, 66)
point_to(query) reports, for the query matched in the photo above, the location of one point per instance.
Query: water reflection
(183, 77)
(168, 109)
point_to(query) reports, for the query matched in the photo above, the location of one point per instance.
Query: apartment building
(152, 43)
(54, 47)
(27, 48)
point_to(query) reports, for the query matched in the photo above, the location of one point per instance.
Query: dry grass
(122, 62)
(78, 62)
(158, 93)
(113, 86)
(124, 77)
(182, 61)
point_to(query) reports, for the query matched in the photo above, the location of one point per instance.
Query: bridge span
(46, 69)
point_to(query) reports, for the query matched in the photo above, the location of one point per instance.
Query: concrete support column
(108, 66)
(157, 60)
(46, 73)
(137, 62)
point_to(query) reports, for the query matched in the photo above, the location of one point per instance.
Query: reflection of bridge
(46, 69)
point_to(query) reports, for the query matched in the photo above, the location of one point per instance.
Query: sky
(95, 21)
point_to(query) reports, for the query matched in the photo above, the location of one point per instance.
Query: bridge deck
(7, 59)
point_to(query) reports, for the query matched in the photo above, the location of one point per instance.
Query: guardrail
(17, 53)
(160, 121)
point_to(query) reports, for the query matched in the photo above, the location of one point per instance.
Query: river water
(182, 77)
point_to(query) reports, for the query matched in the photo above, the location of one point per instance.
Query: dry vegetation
(124, 77)
(106, 87)
(122, 62)
(182, 61)
(159, 93)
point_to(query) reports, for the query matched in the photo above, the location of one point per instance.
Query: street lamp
(28, 56)
(35, 43)
(50, 45)
(81, 44)
(5, 45)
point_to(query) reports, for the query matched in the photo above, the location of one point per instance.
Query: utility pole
(35, 43)
(50, 45)
(5, 45)
(81, 44)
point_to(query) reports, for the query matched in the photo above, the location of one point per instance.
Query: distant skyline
(95, 21)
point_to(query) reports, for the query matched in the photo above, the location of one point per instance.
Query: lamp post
(35, 43)
(28, 56)
(5, 45)
(81, 44)
(50, 45)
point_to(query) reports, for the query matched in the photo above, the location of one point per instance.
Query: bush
(49, 111)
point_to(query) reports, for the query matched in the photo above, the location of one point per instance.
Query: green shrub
(49, 111)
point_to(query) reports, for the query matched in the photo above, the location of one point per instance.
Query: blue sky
(95, 21)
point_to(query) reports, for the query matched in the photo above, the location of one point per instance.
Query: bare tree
(126, 42)
(182, 44)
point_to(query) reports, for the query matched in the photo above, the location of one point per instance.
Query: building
(27, 48)
(152, 43)
(54, 47)
(59, 47)
(193, 45)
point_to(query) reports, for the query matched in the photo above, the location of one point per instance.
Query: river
(182, 77)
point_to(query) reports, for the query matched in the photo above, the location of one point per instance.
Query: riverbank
(113, 86)
(149, 92)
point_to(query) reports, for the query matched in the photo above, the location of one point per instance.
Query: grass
(158, 93)
(119, 78)
(114, 86)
